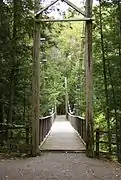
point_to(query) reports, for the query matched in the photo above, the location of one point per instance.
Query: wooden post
(36, 85)
(88, 63)
(27, 135)
(66, 97)
(97, 142)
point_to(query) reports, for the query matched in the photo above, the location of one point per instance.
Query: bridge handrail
(80, 117)
(45, 124)
(79, 124)
(46, 117)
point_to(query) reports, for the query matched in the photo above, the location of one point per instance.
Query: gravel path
(59, 166)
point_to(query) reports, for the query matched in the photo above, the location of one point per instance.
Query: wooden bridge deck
(62, 137)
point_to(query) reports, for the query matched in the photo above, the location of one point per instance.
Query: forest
(62, 54)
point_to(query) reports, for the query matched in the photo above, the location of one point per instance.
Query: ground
(59, 166)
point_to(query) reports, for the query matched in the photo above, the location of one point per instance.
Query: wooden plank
(62, 137)
(63, 20)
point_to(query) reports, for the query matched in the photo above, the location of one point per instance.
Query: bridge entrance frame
(88, 68)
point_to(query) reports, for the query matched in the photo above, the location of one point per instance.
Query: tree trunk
(13, 58)
(88, 63)
(11, 98)
(115, 108)
(107, 116)
(119, 43)
(119, 22)
(24, 102)
(36, 85)
(1, 112)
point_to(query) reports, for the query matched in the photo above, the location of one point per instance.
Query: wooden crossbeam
(44, 9)
(67, 2)
(74, 7)
(63, 20)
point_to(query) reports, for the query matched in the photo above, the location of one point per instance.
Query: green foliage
(64, 52)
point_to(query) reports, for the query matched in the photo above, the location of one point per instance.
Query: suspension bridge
(69, 134)
(37, 127)
(63, 137)
(59, 133)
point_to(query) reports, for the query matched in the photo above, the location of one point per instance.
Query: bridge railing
(104, 145)
(79, 124)
(15, 138)
(45, 124)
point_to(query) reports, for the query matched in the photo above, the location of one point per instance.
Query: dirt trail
(59, 166)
